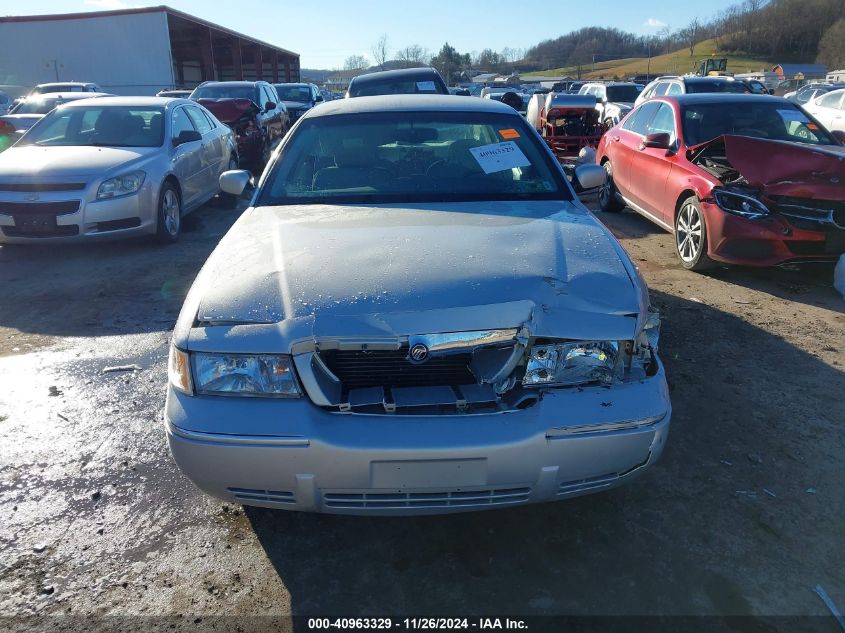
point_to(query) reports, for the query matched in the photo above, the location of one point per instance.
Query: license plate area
(37, 223)
(434, 473)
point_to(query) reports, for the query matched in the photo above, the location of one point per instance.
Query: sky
(326, 32)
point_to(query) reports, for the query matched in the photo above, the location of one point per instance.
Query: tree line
(784, 30)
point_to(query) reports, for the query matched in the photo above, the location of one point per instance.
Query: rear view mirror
(589, 177)
(186, 136)
(661, 140)
(234, 181)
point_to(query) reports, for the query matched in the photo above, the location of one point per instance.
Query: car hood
(345, 271)
(229, 110)
(31, 161)
(622, 105)
(781, 167)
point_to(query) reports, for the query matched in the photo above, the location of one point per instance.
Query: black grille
(389, 368)
(42, 186)
(813, 212)
(39, 208)
(54, 231)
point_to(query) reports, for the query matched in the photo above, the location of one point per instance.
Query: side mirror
(186, 136)
(269, 106)
(661, 140)
(771, 91)
(590, 176)
(839, 135)
(319, 98)
(234, 181)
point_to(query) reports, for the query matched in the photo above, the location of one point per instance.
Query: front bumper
(291, 455)
(92, 219)
(768, 241)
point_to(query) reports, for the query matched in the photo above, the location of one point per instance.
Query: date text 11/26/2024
(430, 624)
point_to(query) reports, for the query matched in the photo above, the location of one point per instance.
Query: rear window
(734, 87)
(413, 157)
(224, 92)
(623, 94)
(300, 94)
(423, 85)
(36, 106)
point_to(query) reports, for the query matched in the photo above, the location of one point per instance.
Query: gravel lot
(743, 515)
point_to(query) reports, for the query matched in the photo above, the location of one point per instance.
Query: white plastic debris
(109, 370)
(839, 276)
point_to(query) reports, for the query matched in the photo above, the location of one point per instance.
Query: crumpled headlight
(572, 363)
(245, 375)
(121, 185)
(740, 204)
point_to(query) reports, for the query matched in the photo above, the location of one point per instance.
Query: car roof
(230, 83)
(722, 97)
(67, 96)
(395, 74)
(410, 103)
(701, 80)
(66, 83)
(131, 101)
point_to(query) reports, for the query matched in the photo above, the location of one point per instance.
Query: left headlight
(121, 185)
(572, 363)
(245, 375)
(740, 204)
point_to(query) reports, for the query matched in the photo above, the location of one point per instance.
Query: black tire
(609, 201)
(691, 237)
(169, 224)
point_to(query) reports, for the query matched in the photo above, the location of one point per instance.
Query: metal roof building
(133, 51)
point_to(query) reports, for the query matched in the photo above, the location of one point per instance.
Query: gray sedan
(415, 315)
(112, 167)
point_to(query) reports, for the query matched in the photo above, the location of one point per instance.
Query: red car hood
(229, 110)
(784, 168)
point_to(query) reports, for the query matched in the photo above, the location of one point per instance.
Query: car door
(826, 108)
(187, 158)
(623, 143)
(210, 152)
(274, 117)
(651, 166)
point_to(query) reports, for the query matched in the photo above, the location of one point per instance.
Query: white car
(829, 110)
(112, 167)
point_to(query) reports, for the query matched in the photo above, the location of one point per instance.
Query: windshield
(104, 126)
(218, 91)
(36, 106)
(623, 94)
(300, 94)
(778, 121)
(413, 157)
(395, 87)
(735, 87)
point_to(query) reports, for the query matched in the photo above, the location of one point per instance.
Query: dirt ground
(743, 515)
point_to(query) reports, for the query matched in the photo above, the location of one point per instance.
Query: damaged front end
(487, 371)
(802, 184)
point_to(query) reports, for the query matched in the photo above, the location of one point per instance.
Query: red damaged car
(251, 109)
(739, 179)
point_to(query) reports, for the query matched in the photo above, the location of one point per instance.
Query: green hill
(676, 63)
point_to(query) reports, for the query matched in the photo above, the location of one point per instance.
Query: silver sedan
(112, 167)
(416, 315)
